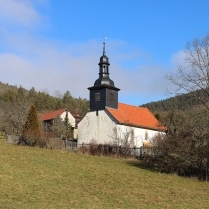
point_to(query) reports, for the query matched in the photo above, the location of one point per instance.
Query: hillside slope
(40, 178)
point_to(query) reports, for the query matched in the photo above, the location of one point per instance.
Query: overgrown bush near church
(108, 150)
(185, 149)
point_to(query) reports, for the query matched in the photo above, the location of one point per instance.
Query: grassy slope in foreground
(39, 178)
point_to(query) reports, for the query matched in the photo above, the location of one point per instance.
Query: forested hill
(42, 100)
(179, 102)
(45, 102)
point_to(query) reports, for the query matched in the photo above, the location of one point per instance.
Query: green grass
(40, 178)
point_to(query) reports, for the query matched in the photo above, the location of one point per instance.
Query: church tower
(103, 93)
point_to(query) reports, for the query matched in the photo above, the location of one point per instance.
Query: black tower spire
(103, 93)
(104, 71)
(104, 53)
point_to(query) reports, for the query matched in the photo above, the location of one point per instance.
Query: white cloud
(50, 68)
(178, 58)
(75, 68)
(144, 80)
(33, 61)
(54, 69)
(19, 12)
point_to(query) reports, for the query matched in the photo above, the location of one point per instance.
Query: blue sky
(55, 45)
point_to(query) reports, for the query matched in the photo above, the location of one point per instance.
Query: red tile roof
(78, 118)
(51, 115)
(135, 116)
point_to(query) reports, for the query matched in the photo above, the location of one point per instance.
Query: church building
(111, 122)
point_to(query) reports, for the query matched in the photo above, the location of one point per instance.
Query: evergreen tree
(31, 130)
(68, 128)
(58, 128)
(67, 97)
(32, 94)
(21, 93)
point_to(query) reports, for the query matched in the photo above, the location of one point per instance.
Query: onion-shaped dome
(104, 80)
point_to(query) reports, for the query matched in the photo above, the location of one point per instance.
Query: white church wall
(101, 129)
(136, 135)
(98, 128)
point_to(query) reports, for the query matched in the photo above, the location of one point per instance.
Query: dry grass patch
(40, 178)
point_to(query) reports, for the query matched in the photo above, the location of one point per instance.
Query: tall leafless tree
(193, 74)
(13, 114)
(191, 130)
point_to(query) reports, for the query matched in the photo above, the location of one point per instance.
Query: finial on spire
(105, 38)
(104, 49)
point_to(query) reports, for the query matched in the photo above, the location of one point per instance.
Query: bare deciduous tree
(58, 94)
(13, 115)
(185, 150)
(193, 75)
(124, 138)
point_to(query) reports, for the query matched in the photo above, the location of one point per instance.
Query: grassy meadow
(40, 178)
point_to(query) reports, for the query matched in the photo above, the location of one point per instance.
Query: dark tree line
(180, 102)
(43, 101)
(15, 103)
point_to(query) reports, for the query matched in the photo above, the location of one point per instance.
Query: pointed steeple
(103, 93)
(104, 71)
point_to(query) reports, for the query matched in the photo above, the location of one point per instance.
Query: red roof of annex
(54, 114)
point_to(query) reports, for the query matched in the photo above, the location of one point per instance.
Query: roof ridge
(55, 110)
(132, 105)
